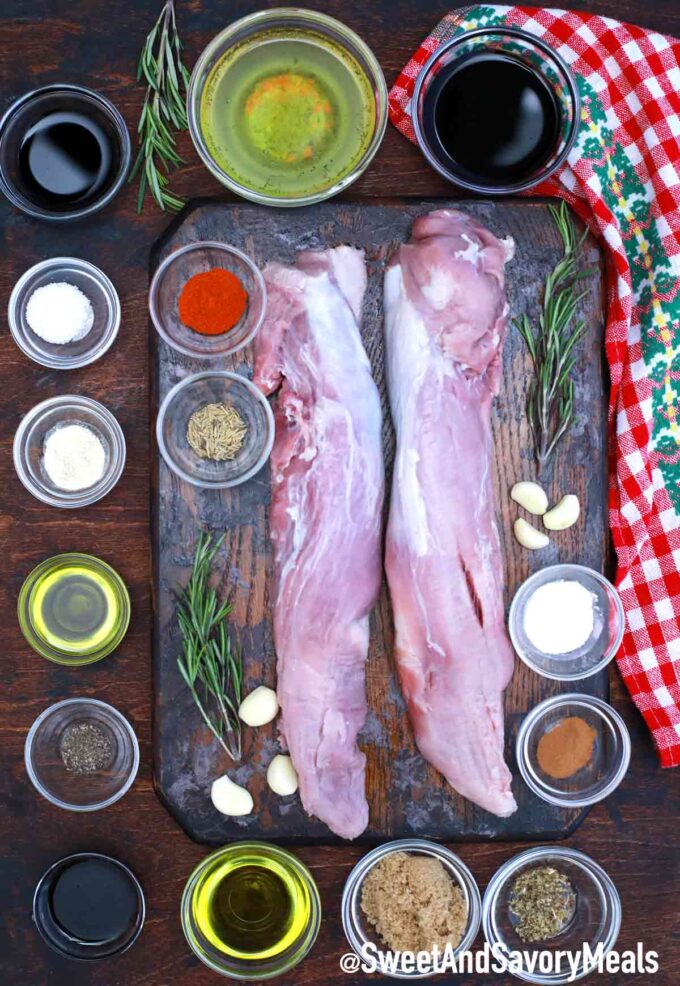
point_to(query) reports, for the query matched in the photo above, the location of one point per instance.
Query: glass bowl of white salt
(64, 313)
(566, 622)
(69, 451)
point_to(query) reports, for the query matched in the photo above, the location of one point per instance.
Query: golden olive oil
(287, 113)
(253, 907)
(74, 608)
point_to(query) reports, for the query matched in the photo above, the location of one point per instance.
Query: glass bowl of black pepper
(544, 903)
(81, 754)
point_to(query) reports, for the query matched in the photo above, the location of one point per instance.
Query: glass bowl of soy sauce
(64, 152)
(496, 111)
(89, 906)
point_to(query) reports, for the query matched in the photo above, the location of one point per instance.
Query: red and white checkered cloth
(623, 179)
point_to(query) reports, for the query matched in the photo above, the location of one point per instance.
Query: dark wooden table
(634, 834)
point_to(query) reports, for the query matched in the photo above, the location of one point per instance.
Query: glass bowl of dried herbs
(551, 900)
(81, 754)
(215, 429)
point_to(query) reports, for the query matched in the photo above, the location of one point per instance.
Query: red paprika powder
(212, 302)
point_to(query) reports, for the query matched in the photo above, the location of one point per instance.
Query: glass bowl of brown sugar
(573, 750)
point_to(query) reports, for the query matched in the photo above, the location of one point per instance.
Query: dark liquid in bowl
(89, 907)
(491, 118)
(65, 158)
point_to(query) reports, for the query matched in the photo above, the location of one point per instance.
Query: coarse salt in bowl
(93, 284)
(602, 642)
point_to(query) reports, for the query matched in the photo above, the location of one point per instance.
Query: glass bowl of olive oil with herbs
(74, 609)
(287, 107)
(251, 911)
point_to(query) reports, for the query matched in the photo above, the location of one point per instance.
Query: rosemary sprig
(208, 661)
(550, 395)
(163, 112)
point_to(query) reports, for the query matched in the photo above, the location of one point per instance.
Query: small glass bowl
(73, 656)
(596, 920)
(25, 113)
(172, 275)
(58, 938)
(605, 770)
(538, 56)
(67, 789)
(292, 21)
(242, 854)
(215, 387)
(54, 413)
(105, 305)
(360, 933)
(598, 650)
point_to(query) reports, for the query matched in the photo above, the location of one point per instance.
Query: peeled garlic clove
(229, 798)
(563, 514)
(282, 776)
(531, 496)
(259, 707)
(528, 536)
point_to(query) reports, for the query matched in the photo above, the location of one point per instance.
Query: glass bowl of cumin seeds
(81, 754)
(215, 429)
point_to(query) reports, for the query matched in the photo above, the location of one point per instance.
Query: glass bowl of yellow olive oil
(251, 911)
(287, 106)
(74, 609)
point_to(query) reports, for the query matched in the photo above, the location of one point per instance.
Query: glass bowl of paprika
(207, 300)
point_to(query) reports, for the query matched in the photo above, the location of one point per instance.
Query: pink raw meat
(325, 519)
(445, 320)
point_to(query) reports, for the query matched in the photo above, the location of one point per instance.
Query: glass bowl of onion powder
(69, 451)
(566, 622)
(64, 313)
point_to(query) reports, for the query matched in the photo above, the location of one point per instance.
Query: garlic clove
(259, 707)
(230, 798)
(282, 776)
(563, 514)
(531, 496)
(528, 536)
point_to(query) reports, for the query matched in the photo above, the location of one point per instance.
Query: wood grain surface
(634, 834)
(407, 797)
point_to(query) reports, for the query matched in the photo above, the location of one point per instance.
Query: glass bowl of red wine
(64, 152)
(496, 110)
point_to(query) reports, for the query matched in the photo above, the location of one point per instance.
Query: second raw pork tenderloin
(445, 322)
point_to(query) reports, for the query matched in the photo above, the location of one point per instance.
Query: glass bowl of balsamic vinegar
(89, 907)
(64, 152)
(496, 111)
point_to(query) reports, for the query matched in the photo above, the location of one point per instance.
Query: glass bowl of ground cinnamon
(207, 300)
(410, 898)
(573, 750)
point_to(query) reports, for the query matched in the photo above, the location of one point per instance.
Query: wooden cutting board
(406, 796)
